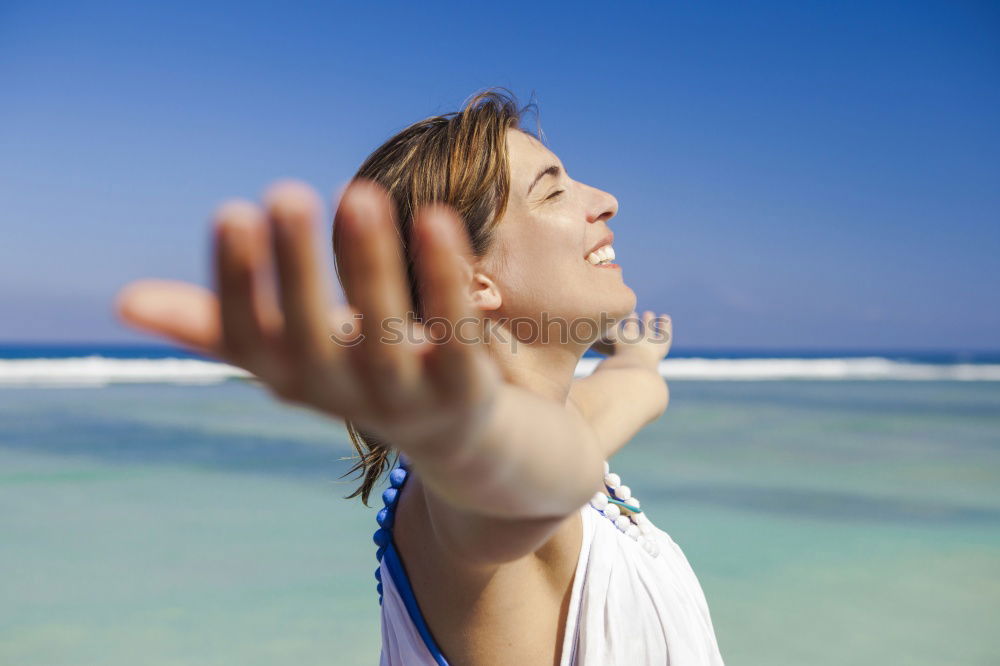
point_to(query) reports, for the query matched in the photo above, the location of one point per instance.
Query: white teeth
(601, 255)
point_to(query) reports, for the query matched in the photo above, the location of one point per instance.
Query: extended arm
(626, 392)
(492, 451)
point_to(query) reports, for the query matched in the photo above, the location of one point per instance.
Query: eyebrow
(552, 170)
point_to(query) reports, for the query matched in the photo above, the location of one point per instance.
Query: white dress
(627, 606)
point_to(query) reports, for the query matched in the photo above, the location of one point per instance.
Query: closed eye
(554, 194)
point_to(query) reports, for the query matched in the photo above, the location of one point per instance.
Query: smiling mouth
(602, 256)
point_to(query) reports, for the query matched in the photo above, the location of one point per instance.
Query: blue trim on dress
(394, 563)
(395, 566)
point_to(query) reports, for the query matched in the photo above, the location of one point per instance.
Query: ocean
(838, 507)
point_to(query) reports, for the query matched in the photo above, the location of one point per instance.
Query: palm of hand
(270, 312)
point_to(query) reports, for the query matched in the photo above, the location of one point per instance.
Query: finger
(630, 328)
(370, 260)
(344, 325)
(647, 319)
(239, 251)
(652, 324)
(443, 260)
(292, 210)
(666, 331)
(184, 313)
(665, 325)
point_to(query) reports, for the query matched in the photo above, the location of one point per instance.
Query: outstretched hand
(270, 313)
(644, 340)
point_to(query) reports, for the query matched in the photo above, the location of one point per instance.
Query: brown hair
(458, 158)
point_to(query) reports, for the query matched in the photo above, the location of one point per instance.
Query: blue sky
(790, 174)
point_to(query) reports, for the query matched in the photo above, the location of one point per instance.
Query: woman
(477, 273)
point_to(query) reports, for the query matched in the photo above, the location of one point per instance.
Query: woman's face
(539, 261)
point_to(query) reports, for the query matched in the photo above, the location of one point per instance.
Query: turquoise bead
(626, 505)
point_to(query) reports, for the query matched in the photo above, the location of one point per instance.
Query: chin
(619, 301)
(623, 305)
(614, 307)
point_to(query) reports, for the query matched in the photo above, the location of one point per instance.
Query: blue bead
(379, 588)
(397, 477)
(389, 496)
(384, 517)
(380, 601)
(404, 462)
(378, 574)
(381, 537)
(379, 553)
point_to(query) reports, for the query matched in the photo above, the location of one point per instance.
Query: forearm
(619, 399)
(526, 457)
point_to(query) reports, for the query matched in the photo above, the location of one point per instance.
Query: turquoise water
(829, 523)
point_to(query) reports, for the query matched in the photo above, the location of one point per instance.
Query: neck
(545, 369)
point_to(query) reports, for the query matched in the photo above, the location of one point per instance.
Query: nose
(603, 206)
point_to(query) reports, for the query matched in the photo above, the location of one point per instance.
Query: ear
(485, 293)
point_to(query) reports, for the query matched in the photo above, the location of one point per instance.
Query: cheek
(554, 272)
(543, 257)
(533, 281)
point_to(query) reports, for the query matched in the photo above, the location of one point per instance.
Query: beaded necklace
(624, 511)
(386, 515)
(617, 505)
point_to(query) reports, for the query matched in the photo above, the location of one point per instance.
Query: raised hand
(644, 340)
(626, 391)
(270, 313)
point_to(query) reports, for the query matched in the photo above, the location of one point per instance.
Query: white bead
(633, 531)
(654, 549)
(612, 511)
(623, 492)
(607, 468)
(599, 501)
(622, 523)
(646, 528)
(642, 519)
(635, 502)
(612, 480)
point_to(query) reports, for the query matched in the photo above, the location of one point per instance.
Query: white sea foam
(873, 368)
(99, 371)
